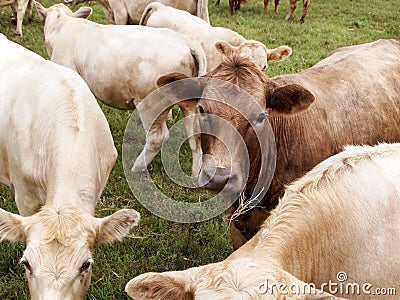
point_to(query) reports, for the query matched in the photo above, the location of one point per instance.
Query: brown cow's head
(234, 103)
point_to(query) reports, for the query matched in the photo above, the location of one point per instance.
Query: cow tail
(197, 52)
(152, 7)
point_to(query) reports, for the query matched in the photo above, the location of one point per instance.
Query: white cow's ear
(83, 13)
(225, 48)
(41, 10)
(11, 227)
(279, 54)
(169, 285)
(116, 226)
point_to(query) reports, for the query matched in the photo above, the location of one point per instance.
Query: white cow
(121, 65)
(19, 7)
(128, 12)
(56, 153)
(214, 40)
(337, 228)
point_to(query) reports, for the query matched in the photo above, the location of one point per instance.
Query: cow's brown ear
(160, 286)
(290, 99)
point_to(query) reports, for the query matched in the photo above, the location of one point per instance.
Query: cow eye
(86, 265)
(260, 118)
(26, 264)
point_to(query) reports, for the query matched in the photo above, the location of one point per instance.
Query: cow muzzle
(219, 180)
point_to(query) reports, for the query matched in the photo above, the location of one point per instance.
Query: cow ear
(224, 48)
(83, 13)
(279, 54)
(169, 78)
(116, 226)
(290, 99)
(41, 10)
(181, 86)
(170, 285)
(11, 227)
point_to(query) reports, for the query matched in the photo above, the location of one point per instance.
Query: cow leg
(14, 13)
(292, 8)
(30, 6)
(21, 7)
(276, 5)
(237, 5)
(156, 136)
(192, 126)
(306, 6)
(217, 3)
(231, 6)
(265, 5)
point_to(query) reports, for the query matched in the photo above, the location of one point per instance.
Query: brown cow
(351, 97)
(234, 5)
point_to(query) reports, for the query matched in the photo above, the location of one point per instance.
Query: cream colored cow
(19, 7)
(125, 12)
(214, 40)
(337, 228)
(56, 155)
(121, 64)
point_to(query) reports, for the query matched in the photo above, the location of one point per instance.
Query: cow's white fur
(56, 153)
(216, 41)
(123, 12)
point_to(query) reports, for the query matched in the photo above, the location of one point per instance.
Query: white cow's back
(51, 129)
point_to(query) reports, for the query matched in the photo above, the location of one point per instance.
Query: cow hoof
(18, 33)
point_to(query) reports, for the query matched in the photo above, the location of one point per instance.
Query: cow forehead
(65, 226)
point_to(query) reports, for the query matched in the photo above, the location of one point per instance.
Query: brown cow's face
(230, 146)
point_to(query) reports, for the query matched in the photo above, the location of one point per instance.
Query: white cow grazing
(19, 7)
(343, 216)
(56, 155)
(128, 12)
(121, 65)
(214, 40)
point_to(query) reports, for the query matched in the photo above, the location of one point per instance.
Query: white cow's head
(255, 51)
(234, 280)
(59, 244)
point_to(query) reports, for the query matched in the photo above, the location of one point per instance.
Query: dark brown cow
(351, 97)
(234, 5)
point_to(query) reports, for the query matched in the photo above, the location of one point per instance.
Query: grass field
(160, 245)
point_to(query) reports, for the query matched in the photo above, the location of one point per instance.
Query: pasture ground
(159, 245)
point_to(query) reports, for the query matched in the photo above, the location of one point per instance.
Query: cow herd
(341, 213)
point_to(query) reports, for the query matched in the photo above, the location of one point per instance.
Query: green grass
(163, 245)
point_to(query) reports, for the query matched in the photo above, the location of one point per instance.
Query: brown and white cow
(128, 12)
(337, 228)
(293, 5)
(351, 97)
(56, 153)
(214, 40)
(121, 65)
